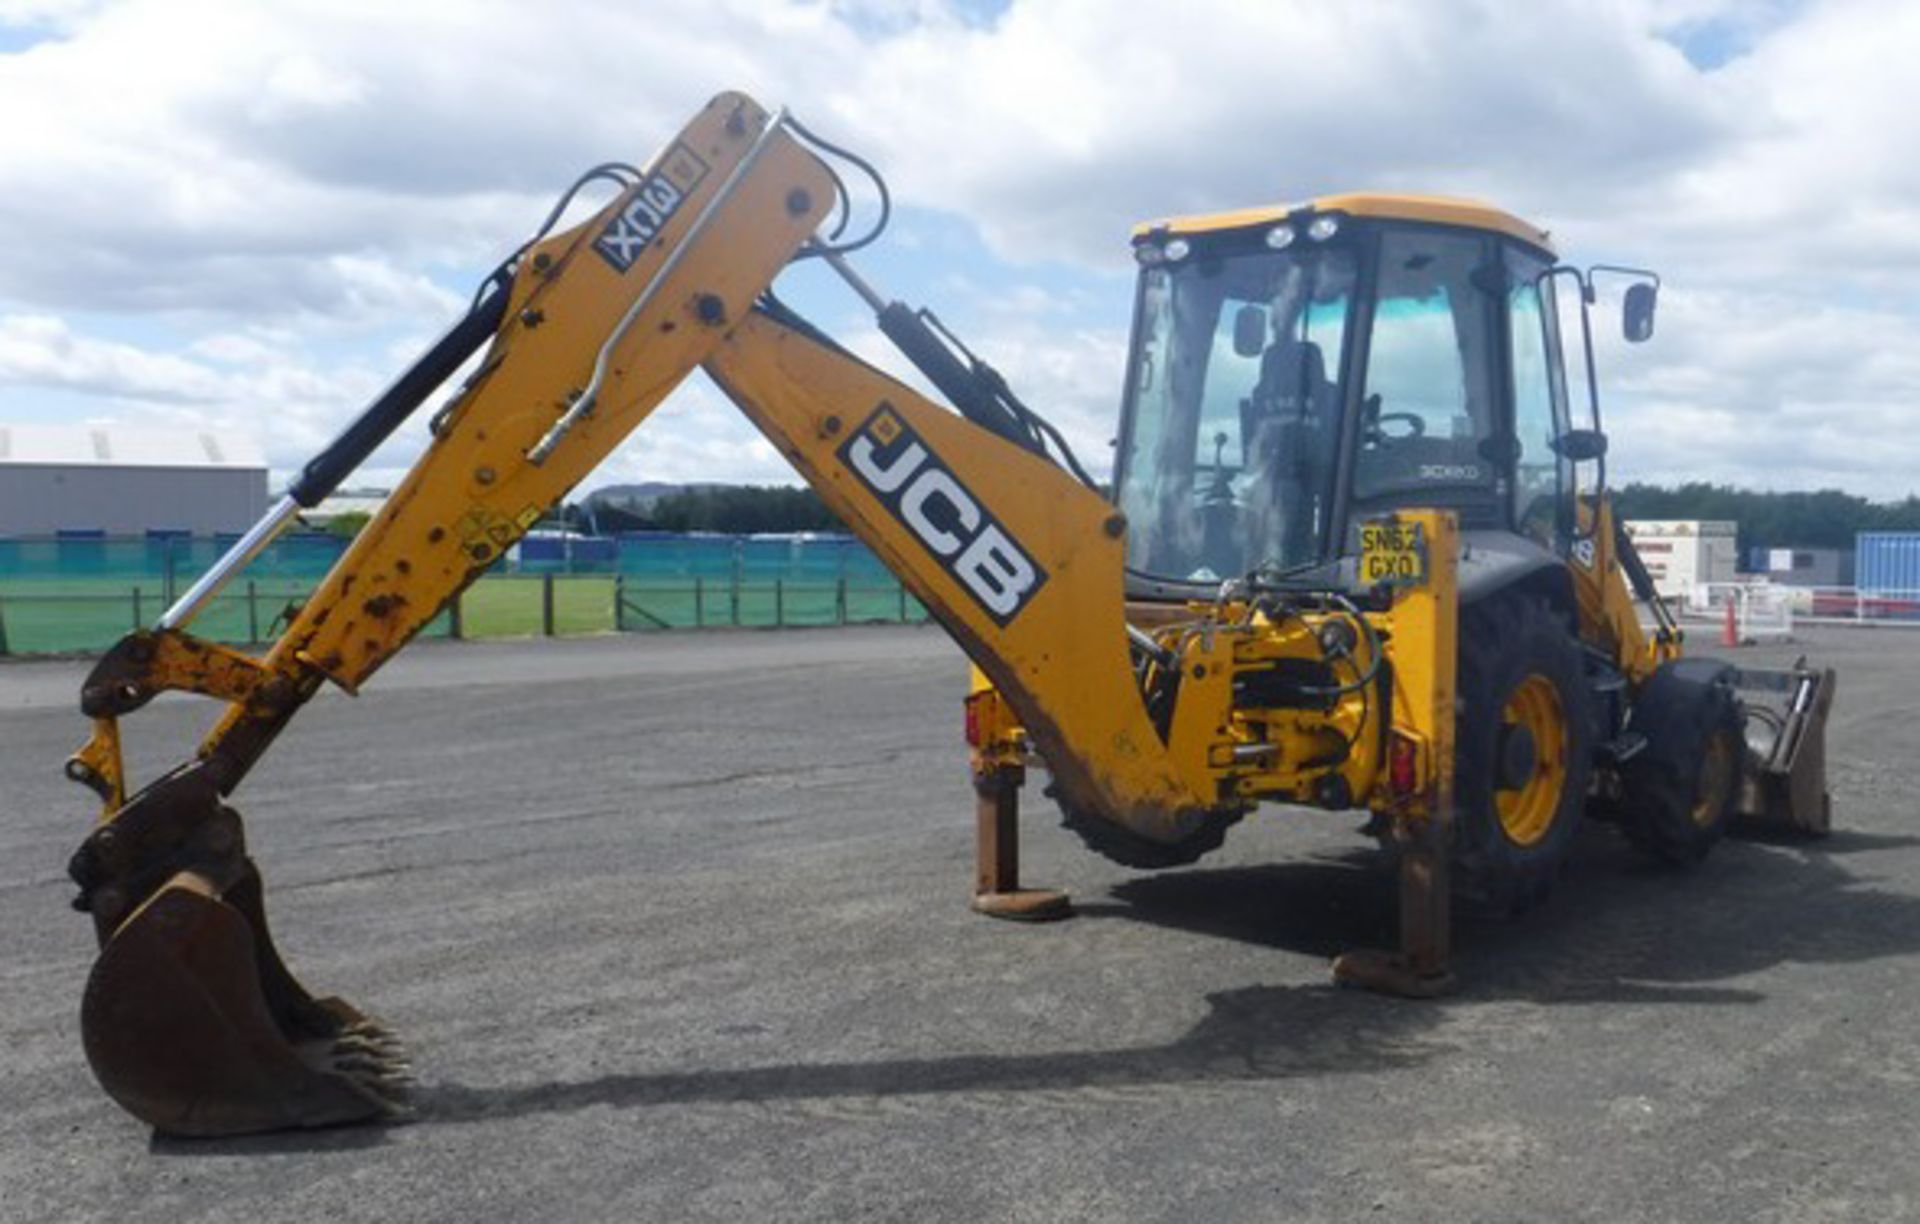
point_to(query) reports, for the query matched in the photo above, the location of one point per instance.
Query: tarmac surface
(676, 928)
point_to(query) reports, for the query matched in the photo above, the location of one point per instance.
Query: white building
(346, 501)
(128, 481)
(1684, 553)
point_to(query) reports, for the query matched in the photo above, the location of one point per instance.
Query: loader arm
(191, 1020)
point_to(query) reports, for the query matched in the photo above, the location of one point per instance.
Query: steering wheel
(1372, 419)
(1416, 426)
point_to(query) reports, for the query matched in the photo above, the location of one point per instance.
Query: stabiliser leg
(996, 888)
(1422, 968)
(1427, 613)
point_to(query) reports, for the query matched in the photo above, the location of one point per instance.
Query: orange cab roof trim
(1434, 209)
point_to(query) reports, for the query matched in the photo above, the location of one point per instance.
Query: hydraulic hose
(324, 472)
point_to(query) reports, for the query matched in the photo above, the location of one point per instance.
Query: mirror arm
(1593, 385)
(1645, 274)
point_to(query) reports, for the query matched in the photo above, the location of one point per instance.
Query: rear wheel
(1523, 749)
(1681, 789)
(1122, 845)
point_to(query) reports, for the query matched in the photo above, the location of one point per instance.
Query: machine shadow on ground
(1618, 930)
(1256, 1033)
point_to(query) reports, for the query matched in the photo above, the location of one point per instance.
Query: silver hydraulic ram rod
(236, 559)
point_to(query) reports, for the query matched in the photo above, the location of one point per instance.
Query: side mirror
(1636, 312)
(1249, 331)
(1581, 445)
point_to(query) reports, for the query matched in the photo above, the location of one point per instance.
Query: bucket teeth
(378, 1064)
(375, 1048)
(348, 1062)
(386, 1080)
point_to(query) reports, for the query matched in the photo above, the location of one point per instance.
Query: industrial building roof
(127, 446)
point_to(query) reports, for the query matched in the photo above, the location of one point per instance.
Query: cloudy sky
(249, 215)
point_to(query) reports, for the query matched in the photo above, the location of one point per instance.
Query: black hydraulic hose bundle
(324, 472)
(978, 390)
(975, 388)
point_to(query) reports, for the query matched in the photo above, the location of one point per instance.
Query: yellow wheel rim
(1526, 811)
(1716, 776)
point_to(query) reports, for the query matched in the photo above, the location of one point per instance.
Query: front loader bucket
(192, 1023)
(1784, 785)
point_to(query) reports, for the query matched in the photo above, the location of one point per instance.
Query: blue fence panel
(78, 592)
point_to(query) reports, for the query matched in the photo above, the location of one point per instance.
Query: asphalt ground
(676, 927)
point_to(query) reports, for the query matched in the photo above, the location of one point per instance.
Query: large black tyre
(1679, 792)
(1523, 750)
(1129, 849)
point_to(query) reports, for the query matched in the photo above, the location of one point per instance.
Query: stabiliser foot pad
(1024, 905)
(1390, 974)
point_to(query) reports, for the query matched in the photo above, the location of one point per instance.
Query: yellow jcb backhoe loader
(1358, 556)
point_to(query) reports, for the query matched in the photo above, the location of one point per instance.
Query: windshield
(1228, 457)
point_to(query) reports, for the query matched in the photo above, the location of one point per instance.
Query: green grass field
(44, 616)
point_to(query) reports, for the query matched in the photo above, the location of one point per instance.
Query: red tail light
(1403, 766)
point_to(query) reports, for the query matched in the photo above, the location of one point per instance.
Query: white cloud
(697, 435)
(291, 175)
(228, 382)
(1771, 391)
(55, 13)
(41, 350)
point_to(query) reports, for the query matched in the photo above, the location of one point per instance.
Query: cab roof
(1433, 209)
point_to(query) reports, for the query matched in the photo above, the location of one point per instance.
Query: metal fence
(1762, 610)
(1856, 605)
(81, 595)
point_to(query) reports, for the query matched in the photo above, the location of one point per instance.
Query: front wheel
(1680, 791)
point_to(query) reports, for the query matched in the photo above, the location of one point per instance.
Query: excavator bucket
(1784, 785)
(190, 1020)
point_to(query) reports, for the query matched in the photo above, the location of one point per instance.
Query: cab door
(1543, 480)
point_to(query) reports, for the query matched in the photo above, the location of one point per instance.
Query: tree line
(729, 509)
(1826, 519)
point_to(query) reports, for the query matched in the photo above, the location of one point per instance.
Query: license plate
(1392, 554)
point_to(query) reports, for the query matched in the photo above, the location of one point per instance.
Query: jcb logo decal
(657, 198)
(917, 489)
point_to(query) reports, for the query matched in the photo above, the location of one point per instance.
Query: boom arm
(1018, 560)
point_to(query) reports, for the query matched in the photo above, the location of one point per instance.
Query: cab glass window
(1539, 400)
(1428, 406)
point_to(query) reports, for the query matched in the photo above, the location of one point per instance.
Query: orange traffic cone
(1730, 628)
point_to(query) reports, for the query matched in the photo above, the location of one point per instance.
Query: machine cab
(1297, 370)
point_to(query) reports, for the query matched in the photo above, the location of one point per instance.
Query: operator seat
(1291, 427)
(1290, 402)
(1293, 381)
